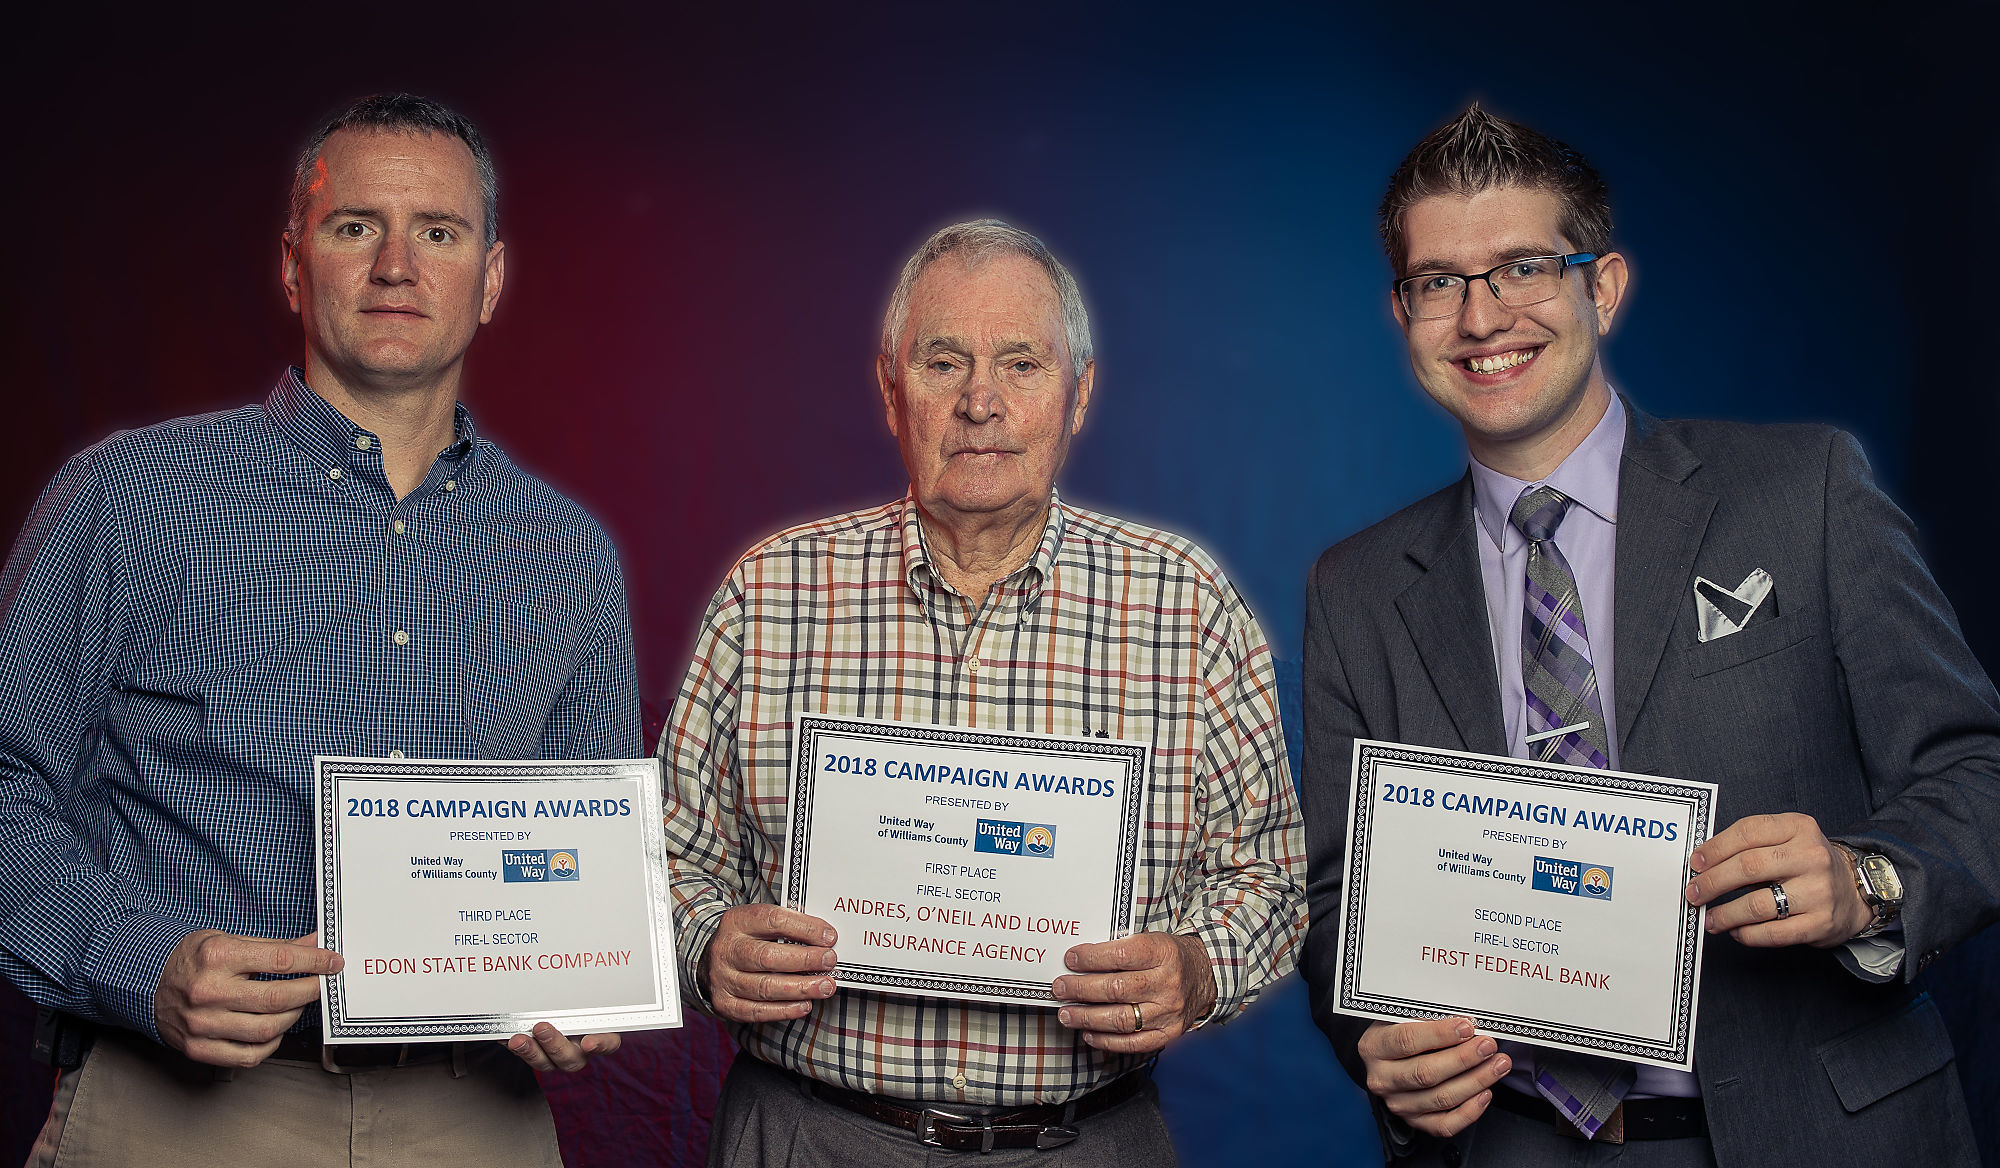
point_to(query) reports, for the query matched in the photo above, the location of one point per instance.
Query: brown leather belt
(1634, 1119)
(1044, 1126)
(307, 1048)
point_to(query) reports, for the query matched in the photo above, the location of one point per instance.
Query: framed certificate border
(337, 1027)
(903, 980)
(1697, 798)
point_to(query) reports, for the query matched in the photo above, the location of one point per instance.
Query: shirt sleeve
(1249, 908)
(71, 935)
(697, 751)
(597, 715)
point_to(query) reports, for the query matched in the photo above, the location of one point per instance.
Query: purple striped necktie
(1565, 724)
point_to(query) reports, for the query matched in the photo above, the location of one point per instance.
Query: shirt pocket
(518, 668)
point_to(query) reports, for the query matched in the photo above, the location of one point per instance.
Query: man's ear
(288, 269)
(1396, 310)
(1085, 383)
(495, 278)
(885, 377)
(1613, 278)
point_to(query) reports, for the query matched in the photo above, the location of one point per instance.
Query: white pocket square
(1724, 610)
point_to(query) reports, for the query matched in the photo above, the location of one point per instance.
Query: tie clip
(1534, 738)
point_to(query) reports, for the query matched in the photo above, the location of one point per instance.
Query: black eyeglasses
(1516, 284)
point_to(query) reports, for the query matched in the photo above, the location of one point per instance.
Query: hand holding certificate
(1545, 901)
(477, 899)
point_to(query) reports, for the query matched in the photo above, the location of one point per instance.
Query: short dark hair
(402, 113)
(1476, 152)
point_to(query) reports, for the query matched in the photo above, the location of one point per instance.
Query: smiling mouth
(1500, 362)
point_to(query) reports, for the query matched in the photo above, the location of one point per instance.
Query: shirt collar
(329, 438)
(921, 577)
(1589, 476)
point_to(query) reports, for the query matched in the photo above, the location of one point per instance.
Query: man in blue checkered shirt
(196, 609)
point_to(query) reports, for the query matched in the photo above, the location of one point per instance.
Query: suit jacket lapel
(1445, 612)
(1661, 521)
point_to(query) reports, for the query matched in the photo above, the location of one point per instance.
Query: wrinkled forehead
(992, 303)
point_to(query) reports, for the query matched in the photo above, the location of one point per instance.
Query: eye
(942, 365)
(354, 229)
(1438, 283)
(1526, 269)
(438, 235)
(1023, 365)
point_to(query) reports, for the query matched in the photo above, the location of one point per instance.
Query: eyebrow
(1519, 251)
(451, 217)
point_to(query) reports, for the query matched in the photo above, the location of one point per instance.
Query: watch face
(1882, 878)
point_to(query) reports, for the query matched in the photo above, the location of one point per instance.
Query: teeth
(1499, 361)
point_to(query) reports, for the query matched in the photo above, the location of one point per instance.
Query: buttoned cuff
(699, 926)
(1215, 939)
(126, 972)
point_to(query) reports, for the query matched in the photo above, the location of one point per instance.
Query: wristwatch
(1881, 889)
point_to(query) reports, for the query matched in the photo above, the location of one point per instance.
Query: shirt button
(451, 484)
(958, 1080)
(363, 442)
(333, 473)
(401, 637)
(972, 665)
(398, 525)
(395, 754)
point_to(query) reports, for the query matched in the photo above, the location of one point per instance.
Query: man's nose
(1482, 314)
(981, 401)
(395, 261)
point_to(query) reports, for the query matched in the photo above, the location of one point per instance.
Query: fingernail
(1487, 1046)
(1063, 1016)
(826, 988)
(826, 936)
(1694, 890)
(1062, 988)
(1464, 1028)
(1504, 1065)
(830, 960)
(1696, 862)
(517, 1044)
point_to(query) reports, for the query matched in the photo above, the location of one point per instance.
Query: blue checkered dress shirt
(197, 608)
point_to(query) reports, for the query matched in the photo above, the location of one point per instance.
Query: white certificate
(961, 863)
(474, 899)
(1545, 901)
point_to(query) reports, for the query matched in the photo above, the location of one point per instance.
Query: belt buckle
(927, 1135)
(1053, 1136)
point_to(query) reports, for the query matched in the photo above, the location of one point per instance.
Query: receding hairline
(910, 342)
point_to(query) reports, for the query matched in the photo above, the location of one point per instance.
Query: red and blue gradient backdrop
(704, 215)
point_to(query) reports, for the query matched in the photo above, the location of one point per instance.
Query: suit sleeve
(1926, 716)
(71, 935)
(1333, 722)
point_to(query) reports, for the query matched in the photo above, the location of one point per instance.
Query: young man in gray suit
(1854, 738)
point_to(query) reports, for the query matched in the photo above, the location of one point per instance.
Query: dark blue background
(704, 214)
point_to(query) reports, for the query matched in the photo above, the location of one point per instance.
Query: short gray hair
(975, 241)
(401, 113)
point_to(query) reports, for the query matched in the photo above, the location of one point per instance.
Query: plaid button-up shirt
(1111, 628)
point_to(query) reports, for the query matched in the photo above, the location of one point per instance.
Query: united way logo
(1006, 838)
(1572, 878)
(539, 866)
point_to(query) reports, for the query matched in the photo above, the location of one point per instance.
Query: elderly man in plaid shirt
(980, 600)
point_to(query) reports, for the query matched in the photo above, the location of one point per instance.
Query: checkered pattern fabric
(1555, 648)
(195, 609)
(1562, 692)
(1110, 629)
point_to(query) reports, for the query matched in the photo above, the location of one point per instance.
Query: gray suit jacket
(1850, 696)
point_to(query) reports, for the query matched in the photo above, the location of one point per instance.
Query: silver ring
(1784, 902)
(1138, 1018)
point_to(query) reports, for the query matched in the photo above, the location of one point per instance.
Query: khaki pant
(133, 1102)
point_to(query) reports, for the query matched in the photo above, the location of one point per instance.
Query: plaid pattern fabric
(1555, 648)
(1562, 692)
(195, 609)
(1112, 629)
